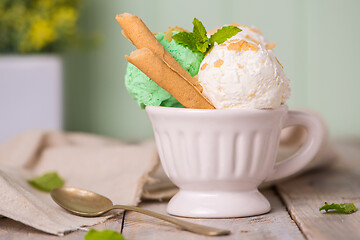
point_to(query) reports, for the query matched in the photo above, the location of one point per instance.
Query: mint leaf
(187, 39)
(339, 208)
(199, 31)
(223, 34)
(202, 47)
(103, 235)
(47, 182)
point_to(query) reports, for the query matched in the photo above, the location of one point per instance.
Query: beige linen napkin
(108, 167)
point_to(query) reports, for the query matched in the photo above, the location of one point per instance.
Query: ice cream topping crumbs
(241, 45)
(243, 72)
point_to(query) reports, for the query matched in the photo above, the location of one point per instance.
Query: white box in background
(30, 94)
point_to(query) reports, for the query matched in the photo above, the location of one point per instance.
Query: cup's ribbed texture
(216, 156)
(217, 151)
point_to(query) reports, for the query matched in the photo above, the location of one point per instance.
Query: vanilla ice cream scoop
(243, 73)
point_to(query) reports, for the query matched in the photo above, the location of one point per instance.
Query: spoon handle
(192, 227)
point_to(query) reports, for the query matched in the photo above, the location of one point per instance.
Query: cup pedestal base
(218, 204)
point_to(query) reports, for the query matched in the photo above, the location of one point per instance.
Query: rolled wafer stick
(141, 37)
(126, 36)
(156, 69)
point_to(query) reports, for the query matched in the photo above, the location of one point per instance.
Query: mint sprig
(197, 40)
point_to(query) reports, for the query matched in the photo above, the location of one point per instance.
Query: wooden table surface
(294, 213)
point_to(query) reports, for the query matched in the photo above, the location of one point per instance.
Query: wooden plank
(339, 183)
(275, 225)
(12, 230)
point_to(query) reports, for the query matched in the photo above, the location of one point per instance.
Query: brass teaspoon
(89, 204)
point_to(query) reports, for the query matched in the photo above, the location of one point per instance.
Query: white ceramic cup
(218, 158)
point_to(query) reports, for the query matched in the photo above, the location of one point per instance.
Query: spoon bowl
(81, 202)
(89, 204)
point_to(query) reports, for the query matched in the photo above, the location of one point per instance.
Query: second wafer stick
(156, 69)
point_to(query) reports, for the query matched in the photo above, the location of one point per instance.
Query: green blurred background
(317, 43)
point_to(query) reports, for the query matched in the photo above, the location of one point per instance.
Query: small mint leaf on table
(223, 34)
(47, 182)
(103, 235)
(339, 208)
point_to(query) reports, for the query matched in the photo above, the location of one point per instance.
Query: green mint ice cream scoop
(145, 91)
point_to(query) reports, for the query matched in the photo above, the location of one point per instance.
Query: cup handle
(307, 152)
